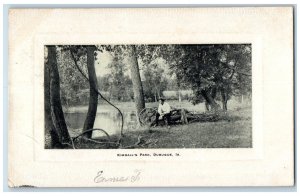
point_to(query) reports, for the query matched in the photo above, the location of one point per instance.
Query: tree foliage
(74, 87)
(154, 82)
(117, 83)
(211, 67)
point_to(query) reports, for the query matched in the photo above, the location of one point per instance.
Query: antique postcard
(160, 97)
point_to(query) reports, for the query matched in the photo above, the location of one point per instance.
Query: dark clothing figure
(166, 118)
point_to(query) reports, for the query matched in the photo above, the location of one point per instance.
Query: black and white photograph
(148, 96)
(151, 97)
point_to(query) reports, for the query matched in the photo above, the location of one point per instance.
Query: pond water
(110, 121)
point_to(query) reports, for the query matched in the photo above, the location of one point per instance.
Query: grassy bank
(235, 131)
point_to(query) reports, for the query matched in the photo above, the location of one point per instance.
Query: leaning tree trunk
(136, 81)
(50, 131)
(93, 102)
(209, 100)
(55, 102)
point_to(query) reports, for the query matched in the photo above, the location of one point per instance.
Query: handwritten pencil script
(101, 177)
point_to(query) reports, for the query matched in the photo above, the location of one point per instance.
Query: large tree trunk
(224, 96)
(57, 114)
(136, 81)
(209, 100)
(50, 132)
(214, 92)
(93, 102)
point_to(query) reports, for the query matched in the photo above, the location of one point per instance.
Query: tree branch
(234, 69)
(77, 66)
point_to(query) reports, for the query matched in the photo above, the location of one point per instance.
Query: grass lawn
(233, 132)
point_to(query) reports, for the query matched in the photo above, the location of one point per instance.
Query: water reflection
(109, 121)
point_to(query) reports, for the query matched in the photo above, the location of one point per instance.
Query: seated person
(163, 112)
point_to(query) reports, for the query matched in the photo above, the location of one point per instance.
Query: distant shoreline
(129, 106)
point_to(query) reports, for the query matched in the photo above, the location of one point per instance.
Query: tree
(77, 52)
(131, 54)
(120, 85)
(104, 82)
(192, 66)
(155, 82)
(74, 87)
(136, 80)
(236, 71)
(57, 125)
(208, 68)
(93, 102)
(50, 131)
(241, 81)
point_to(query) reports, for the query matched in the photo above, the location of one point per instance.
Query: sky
(103, 59)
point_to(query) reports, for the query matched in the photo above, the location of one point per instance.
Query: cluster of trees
(116, 83)
(74, 88)
(213, 71)
(55, 124)
(154, 82)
